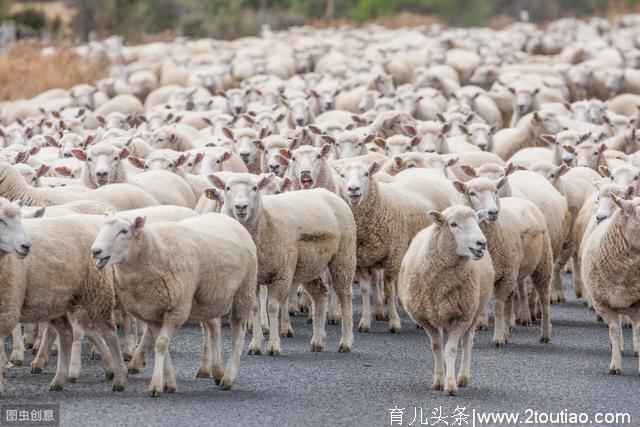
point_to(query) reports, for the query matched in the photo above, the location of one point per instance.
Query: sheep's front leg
(333, 316)
(450, 351)
(465, 364)
(257, 335)
(343, 290)
(163, 334)
(319, 292)
(107, 343)
(612, 320)
(277, 293)
(557, 287)
(211, 366)
(237, 341)
(365, 290)
(394, 319)
(294, 303)
(437, 346)
(377, 293)
(523, 304)
(286, 330)
(578, 286)
(17, 352)
(29, 334)
(204, 371)
(46, 341)
(65, 337)
(264, 315)
(502, 291)
(76, 352)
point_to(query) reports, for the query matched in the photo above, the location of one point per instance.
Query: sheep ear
(63, 170)
(585, 137)
(328, 139)
(512, 90)
(282, 160)
(460, 186)
(452, 161)
(286, 184)
(625, 205)
(52, 141)
(315, 129)
(265, 180)
(207, 120)
(415, 141)
(22, 157)
(469, 170)
(258, 144)
(211, 193)
(42, 169)
(548, 138)
(325, 150)
(445, 128)
(39, 213)
(410, 130)
(124, 153)
(380, 142)
(369, 138)
(628, 195)
(198, 158)
(562, 169)
(502, 181)
(227, 132)
(138, 223)
(79, 154)
(440, 117)
(374, 168)
(604, 171)
(286, 153)
(135, 161)
(606, 119)
(437, 218)
(225, 156)
(217, 182)
(399, 161)
(180, 160)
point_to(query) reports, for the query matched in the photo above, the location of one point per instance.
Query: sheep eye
(89, 159)
(341, 175)
(3, 222)
(472, 193)
(411, 165)
(218, 161)
(123, 231)
(227, 188)
(358, 144)
(146, 167)
(407, 149)
(115, 158)
(255, 189)
(453, 224)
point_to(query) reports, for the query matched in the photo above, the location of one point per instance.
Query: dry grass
(25, 72)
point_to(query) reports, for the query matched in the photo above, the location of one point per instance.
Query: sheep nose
(600, 218)
(274, 168)
(26, 246)
(241, 207)
(66, 154)
(300, 121)
(102, 173)
(353, 189)
(95, 252)
(245, 156)
(482, 244)
(237, 109)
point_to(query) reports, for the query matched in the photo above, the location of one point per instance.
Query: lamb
(610, 272)
(444, 283)
(387, 217)
(298, 235)
(507, 142)
(210, 265)
(32, 298)
(520, 247)
(103, 166)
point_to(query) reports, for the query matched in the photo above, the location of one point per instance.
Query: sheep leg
(294, 303)
(304, 300)
(620, 326)
(17, 352)
(169, 373)
(394, 318)
(41, 330)
(163, 332)
(100, 344)
(333, 316)
(502, 291)
(343, 289)
(612, 320)
(130, 336)
(29, 334)
(238, 330)
(319, 293)
(556, 283)
(204, 371)
(450, 351)
(65, 339)
(257, 334)
(377, 292)
(3, 367)
(277, 293)
(40, 361)
(523, 303)
(635, 331)
(136, 365)
(465, 364)
(508, 314)
(365, 291)
(264, 316)
(575, 275)
(437, 346)
(286, 330)
(76, 352)
(545, 318)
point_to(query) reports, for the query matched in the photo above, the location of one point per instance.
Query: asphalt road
(383, 371)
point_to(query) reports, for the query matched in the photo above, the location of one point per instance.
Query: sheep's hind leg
(65, 336)
(377, 293)
(612, 320)
(130, 336)
(465, 364)
(319, 292)
(29, 334)
(365, 291)
(238, 331)
(277, 293)
(137, 363)
(48, 337)
(17, 352)
(204, 371)
(394, 319)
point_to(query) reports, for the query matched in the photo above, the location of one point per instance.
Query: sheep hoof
(544, 339)
(254, 352)
(225, 384)
(380, 317)
(28, 345)
(16, 361)
(599, 319)
(343, 348)
(117, 387)
(309, 321)
(316, 348)
(499, 344)
(265, 330)
(463, 380)
(364, 328)
(203, 374)
(512, 328)
(36, 370)
(562, 299)
(287, 334)
(132, 370)
(482, 328)
(169, 389)
(437, 385)
(109, 375)
(615, 371)
(578, 295)
(155, 391)
(273, 352)
(395, 329)
(56, 387)
(525, 322)
(127, 356)
(72, 379)
(293, 312)
(332, 321)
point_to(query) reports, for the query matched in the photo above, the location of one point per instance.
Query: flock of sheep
(254, 179)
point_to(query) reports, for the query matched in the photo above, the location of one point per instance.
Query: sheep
(610, 273)
(444, 283)
(309, 168)
(273, 146)
(397, 144)
(246, 141)
(103, 166)
(351, 144)
(170, 137)
(298, 235)
(120, 196)
(387, 217)
(32, 298)
(520, 247)
(218, 278)
(125, 104)
(507, 142)
(32, 176)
